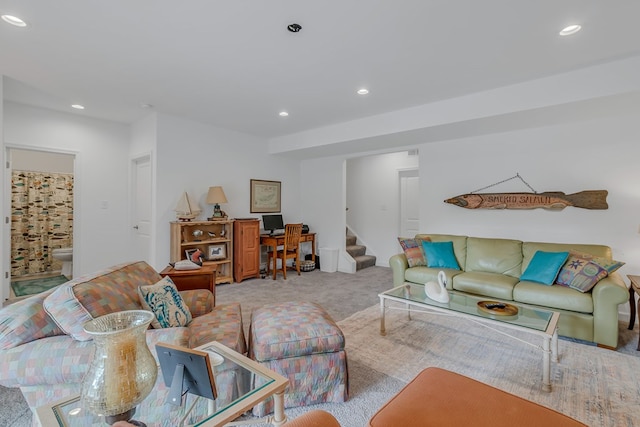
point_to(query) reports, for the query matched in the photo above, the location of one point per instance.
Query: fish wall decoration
(556, 200)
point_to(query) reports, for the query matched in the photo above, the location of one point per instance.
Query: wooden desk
(186, 280)
(275, 241)
(634, 288)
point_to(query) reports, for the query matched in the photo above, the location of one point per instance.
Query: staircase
(358, 252)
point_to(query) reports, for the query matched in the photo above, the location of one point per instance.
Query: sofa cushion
(501, 256)
(82, 299)
(440, 255)
(413, 250)
(165, 302)
(222, 324)
(26, 321)
(486, 284)
(544, 267)
(425, 274)
(553, 297)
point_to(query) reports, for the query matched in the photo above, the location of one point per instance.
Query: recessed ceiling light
(571, 29)
(77, 106)
(283, 114)
(14, 20)
(363, 91)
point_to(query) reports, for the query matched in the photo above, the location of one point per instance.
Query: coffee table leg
(546, 364)
(279, 417)
(554, 346)
(383, 331)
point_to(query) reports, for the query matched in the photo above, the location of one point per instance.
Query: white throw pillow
(164, 300)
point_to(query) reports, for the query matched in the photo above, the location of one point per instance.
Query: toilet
(66, 256)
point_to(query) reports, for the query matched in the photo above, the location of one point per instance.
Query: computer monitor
(272, 222)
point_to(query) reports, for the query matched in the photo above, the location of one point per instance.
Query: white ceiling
(233, 63)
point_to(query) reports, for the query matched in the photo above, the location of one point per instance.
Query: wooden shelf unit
(182, 239)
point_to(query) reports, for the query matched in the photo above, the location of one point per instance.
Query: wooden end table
(186, 280)
(633, 289)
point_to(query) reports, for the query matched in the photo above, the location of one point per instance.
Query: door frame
(5, 292)
(404, 173)
(133, 161)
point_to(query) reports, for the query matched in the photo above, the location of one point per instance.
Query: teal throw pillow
(544, 267)
(440, 255)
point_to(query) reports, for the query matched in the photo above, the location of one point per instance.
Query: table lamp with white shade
(215, 196)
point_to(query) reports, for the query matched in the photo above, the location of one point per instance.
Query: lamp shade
(216, 195)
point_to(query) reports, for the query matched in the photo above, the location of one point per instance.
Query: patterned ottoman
(300, 341)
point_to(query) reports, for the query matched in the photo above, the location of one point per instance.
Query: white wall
(373, 198)
(192, 156)
(41, 161)
(595, 155)
(323, 202)
(101, 149)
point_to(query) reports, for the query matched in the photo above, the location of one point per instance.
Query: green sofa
(492, 268)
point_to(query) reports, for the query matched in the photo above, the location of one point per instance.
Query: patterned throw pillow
(164, 300)
(413, 251)
(582, 271)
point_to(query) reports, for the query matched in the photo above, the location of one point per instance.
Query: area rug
(596, 386)
(35, 286)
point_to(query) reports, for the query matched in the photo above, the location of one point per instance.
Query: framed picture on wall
(265, 196)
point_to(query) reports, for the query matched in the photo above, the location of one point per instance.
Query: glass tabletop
(526, 317)
(250, 384)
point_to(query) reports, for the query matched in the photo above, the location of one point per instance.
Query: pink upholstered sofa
(45, 352)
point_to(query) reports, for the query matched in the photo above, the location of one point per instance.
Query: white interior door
(409, 203)
(141, 204)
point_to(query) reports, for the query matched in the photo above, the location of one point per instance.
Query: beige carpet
(601, 384)
(596, 386)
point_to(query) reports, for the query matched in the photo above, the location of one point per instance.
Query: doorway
(409, 202)
(42, 206)
(141, 215)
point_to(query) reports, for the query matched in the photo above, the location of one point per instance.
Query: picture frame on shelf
(265, 196)
(215, 252)
(194, 255)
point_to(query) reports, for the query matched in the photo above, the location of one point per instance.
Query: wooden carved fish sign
(590, 199)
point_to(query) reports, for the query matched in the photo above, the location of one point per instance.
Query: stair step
(351, 240)
(356, 250)
(364, 261)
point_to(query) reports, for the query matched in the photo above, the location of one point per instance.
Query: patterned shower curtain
(41, 220)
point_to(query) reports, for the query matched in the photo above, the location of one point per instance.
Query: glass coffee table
(540, 322)
(256, 383)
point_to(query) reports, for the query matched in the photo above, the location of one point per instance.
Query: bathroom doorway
(42, 197)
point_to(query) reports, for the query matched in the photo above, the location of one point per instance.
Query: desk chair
(290, 249)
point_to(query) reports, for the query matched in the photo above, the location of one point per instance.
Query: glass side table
(259, 384)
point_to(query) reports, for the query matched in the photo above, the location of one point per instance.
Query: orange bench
(437, 397)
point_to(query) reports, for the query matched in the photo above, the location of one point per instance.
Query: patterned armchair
(45, 352)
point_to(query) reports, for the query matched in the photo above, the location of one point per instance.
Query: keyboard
(277, 232)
